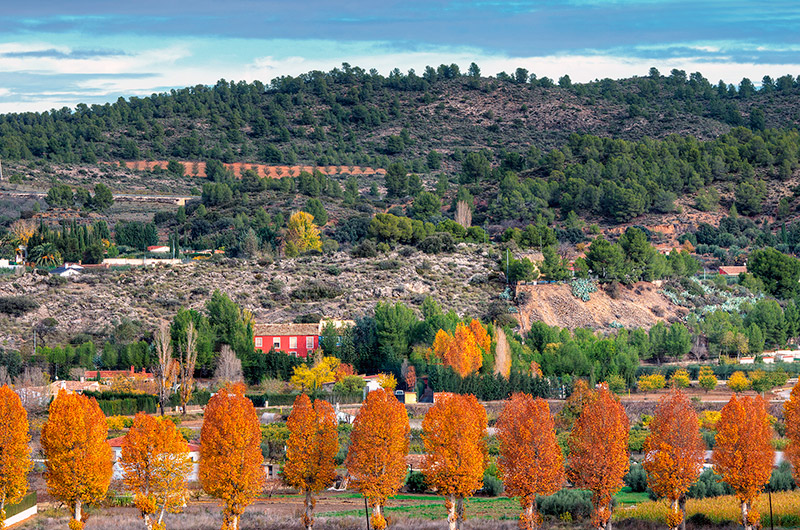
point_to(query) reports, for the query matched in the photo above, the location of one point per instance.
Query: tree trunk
(682, 505)
(459, 512)
(452, 517)
(77, 514)
(148, 521)
(527, 518)
(378, 520)
(608, 523)
(745, 513)
(308, 518)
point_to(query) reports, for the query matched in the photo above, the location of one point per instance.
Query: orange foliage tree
(230, 453)
(598, 456)
(791, 412)
(78, 458)
(155, 459)
(454, 433)
(530, 462)
(464, 349)
(378, 448)
(312, 445)
(743, 454)
(15, 455)
(674, 452)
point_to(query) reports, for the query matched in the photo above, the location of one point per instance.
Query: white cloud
(179, 63)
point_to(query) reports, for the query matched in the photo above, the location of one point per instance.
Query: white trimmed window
(259, 342)
(276, 343)
(292, 343)
(309, 343)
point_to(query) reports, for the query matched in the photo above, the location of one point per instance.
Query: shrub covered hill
(544, 168)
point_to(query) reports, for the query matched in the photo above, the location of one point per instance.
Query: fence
(284, 400)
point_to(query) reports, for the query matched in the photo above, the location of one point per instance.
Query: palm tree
(46, 255)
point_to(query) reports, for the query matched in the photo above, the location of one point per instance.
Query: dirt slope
(639, 305)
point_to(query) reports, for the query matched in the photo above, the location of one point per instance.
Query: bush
(441, 242)
(365, 249)
(680, 379)
(416, 482)
(577, 503)
(708, 485)
(636, 479)
(316, 291)
(738, 382)
(492, 486)
(652, 382)
(17, 305)
(707, 379)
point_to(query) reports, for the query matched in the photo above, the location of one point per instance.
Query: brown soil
(638, 305)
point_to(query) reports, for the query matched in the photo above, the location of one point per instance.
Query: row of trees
(155, 457)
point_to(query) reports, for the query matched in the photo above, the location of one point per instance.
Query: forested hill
(353, 117)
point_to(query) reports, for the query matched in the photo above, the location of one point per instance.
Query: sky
(56, 53)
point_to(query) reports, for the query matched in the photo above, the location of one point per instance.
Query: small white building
(116, 446)
(68, 270)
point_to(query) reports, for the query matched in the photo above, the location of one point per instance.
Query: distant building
(68, 270)
(295, 339)
(299, 340)
(732, 270)
(159, 249)
(119, 474)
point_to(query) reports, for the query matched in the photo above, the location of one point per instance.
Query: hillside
(637, 305)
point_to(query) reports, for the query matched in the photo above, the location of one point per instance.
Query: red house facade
(299, 340)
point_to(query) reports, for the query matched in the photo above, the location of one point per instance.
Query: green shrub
(577, 503)
(636, 479)
(492, 486)
(416, 482)
(316, 291)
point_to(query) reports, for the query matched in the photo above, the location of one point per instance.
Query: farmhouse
(732, 270)
(299, 340)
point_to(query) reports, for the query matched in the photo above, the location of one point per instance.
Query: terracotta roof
(282, 330)
(732, 269)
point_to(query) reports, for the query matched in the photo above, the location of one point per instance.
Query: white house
(68, 270)
(116, 446)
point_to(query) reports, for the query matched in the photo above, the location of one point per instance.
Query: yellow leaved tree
(311, 378)
(302, 234)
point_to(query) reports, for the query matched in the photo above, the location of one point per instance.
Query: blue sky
(55, 53)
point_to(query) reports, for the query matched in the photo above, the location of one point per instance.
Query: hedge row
(491, 387)
(28, 501)
(722, 371)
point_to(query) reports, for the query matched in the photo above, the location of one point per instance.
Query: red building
(295, 339)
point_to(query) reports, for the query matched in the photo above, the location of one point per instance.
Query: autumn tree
(743, 454)
(598, 456)
(530, 462)
(77, 456)
(462, 350)
(15, 455)
(230, 453)
(311, 378)
(454, 434)
(155, 459)
(302, 234)
(166, 368)
(581, 395)
(791, 412)
(188, 362)
(310, 450)
(675, 453)
(378, 447)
